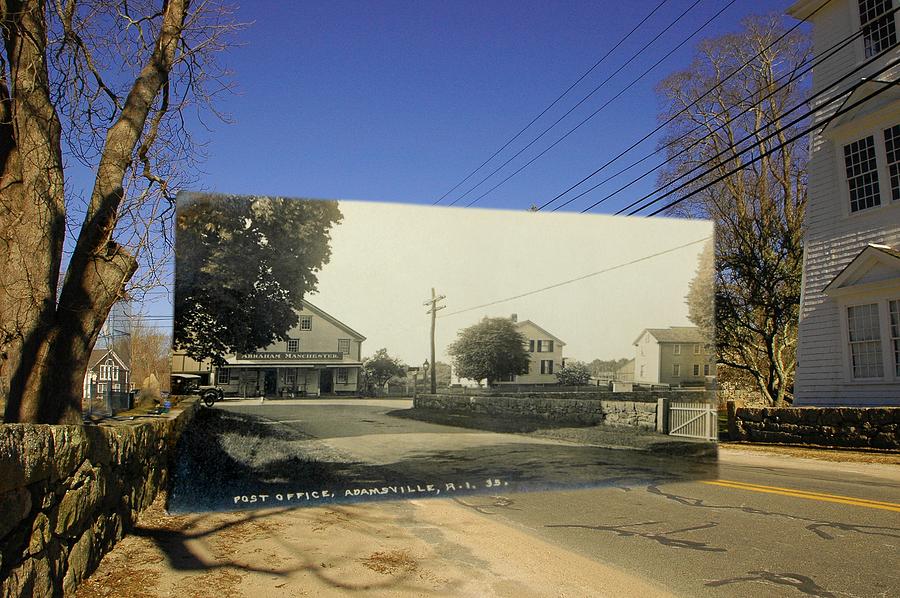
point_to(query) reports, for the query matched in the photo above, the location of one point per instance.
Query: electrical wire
(554, 102)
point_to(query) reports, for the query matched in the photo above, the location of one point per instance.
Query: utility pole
(433, 308)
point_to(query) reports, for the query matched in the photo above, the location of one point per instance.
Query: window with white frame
(305, 322)
(697, 349)
(342, 376)
(101, 387)
(892, 152)
(344, 346)
(862, 174)
(677, 350)
(706, 369)
(879, 26)
(293, 345)
(676, 369)
(871, 166)
(223, 376)
(546, 366)
(864, 328)
(109, 370)
(696, 369)
(894, 307)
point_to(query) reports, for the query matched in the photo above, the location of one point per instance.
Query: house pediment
(877, 267)
(867, 114)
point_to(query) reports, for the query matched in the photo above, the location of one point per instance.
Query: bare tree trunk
(49, 350)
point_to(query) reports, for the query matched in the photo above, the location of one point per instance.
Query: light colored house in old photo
(677, 356)
(322, 356)
(545, 351)
(849, 334)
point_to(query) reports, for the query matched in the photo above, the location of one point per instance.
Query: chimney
(514, 317)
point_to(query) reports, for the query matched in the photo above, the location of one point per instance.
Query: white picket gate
(693, 420)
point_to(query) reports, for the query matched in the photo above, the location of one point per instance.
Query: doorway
(271, 382)
(326, 381)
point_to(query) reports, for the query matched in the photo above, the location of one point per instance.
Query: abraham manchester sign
(285, 355)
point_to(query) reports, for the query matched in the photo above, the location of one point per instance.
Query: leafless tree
(758, 211)
(108, 87)
(147, 350)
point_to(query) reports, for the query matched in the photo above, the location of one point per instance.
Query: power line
(579, 278)
(598, 110)
(792, 75)
(733, 147)
(823, 91)
(554, 102)
(886, 85)
(585, 98)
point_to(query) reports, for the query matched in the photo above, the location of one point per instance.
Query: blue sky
(398, 101)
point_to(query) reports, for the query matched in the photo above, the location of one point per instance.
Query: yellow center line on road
(847, 500)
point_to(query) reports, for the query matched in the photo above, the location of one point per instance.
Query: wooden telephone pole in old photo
(433, 308)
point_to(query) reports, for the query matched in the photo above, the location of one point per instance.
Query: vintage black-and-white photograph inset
(343, 351)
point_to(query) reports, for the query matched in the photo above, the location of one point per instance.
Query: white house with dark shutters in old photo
(545, 353)
(849, 334)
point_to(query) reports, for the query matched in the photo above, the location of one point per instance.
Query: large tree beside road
(111, 88)
(489, 350)
(242, 267)
(758, 210)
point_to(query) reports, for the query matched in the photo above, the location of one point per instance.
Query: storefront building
(321, 356)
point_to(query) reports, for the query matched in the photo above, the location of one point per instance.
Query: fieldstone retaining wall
(872, 427)
(69, 493)
(635, 409)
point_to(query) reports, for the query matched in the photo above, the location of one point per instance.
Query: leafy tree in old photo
(381, 367)
(243, 266)
(758, 211)
(489, 350)
(574, 373)
(112, 89)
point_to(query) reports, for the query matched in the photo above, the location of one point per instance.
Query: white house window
(895, 334)
(344, 345)
(696, 369)
(706, 369)
(862, 174)
(865, 341)
(879, 28)
(101, 387)
(697, 349)
(293, 345)
(109, 371)
(892, 150)
(223, 376)
(676, 369)
(305, 322)
(342, 376)
(546, 366)
(677, 350)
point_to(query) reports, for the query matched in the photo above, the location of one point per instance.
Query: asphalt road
(753, 526)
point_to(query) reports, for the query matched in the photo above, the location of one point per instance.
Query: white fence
(693, 420)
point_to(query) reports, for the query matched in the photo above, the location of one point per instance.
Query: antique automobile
(189, 384)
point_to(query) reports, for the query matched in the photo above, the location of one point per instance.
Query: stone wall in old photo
(69, 493)
(634, 409)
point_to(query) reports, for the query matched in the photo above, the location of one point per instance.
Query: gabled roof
(674, 334)
(98, 355)
(804, 8)
(874, 266)
(558, 340)
(310, 307)
(868, 107)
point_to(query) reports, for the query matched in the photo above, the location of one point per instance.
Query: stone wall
(872, 427)
(69, 493)
(635, 409)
